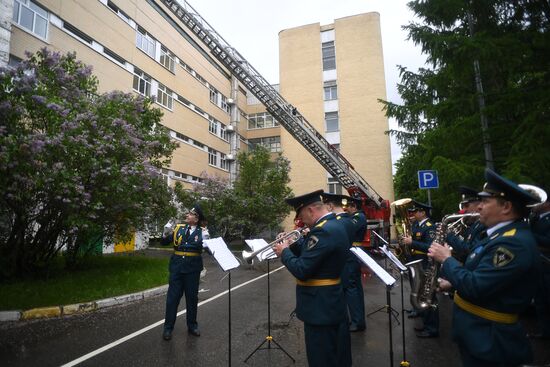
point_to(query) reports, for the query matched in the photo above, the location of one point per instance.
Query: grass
(100, 277)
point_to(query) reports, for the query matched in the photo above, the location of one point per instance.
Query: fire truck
(375, 207)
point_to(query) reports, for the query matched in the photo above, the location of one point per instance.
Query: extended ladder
(286, 114)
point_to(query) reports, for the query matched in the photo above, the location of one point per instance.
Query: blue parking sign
(427, 179)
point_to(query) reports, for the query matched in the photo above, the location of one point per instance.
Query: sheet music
(373, 265)
(221, 253)
(258, 243)
(393, 258)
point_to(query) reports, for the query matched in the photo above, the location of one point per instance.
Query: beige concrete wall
(300, 73)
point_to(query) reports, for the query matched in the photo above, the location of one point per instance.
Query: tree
(74, 165)
(439, 118)
(254, 204)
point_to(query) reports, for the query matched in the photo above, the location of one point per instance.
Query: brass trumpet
(293, 236)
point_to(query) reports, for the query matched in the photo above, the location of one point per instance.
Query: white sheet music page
(393, 258)
(221, 253)
(373, 265)
(259, 243)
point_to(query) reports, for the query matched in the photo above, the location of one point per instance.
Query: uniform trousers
(353, 292)
(469, 360)
(178, 284)
(328, 345)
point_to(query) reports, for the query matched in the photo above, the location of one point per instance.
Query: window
(31, 17)
(217, 128)
(167, 58)
(145, 42)
(329, 55)
(334, 187)
(223, 132)
(164, 96)
(272, 143)
(223, 104)
(212, 157)
(119, 12)
(142, 83)
(224, 163)
(261, 120)
(213, 126)
(331, 121)
(214, 95)
(331, 91)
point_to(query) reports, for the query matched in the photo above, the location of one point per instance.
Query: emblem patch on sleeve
(502, 257)
(311, 242)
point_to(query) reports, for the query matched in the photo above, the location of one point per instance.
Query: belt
(417, 252)
(357, 244)
(504, 318)
(186, 253)
(317, 282)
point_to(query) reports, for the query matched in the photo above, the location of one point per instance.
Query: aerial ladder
(376, 208)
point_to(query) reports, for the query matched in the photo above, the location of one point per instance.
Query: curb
(79, 308)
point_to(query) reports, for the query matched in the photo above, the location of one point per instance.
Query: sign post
(427, 179)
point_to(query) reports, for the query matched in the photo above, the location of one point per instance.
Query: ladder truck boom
(286, 114)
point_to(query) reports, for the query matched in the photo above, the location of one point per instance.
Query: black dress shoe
(413, 315)
(418, 328)
(194, 332)
(426, 334)
(355, 328)
(167, 334)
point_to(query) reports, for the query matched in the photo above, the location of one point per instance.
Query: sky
(252, 28)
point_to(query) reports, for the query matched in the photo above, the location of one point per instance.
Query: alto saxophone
(428, 280)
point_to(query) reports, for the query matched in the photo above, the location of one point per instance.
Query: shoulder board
(321, 223)
(509, 233)
(178, 226)
(429, 224)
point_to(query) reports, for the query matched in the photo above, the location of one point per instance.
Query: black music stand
(402, 269)
(269, 338)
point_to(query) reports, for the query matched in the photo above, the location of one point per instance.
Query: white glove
(168, 229)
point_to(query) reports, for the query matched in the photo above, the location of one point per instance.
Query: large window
(261, 121)
(217, 128)
(331, 121)
(142, 83)
(164, 97)
(167, 58)
(331, 91)
(329, 56)
(272, 143)
(145, 42)
(224, 163)
(31, 17)
(214, 95)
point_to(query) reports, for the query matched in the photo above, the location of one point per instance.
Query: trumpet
(292, 236)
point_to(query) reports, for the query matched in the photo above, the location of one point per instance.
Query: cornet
(290, 236)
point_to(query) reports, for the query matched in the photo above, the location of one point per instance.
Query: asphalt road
(130, 334)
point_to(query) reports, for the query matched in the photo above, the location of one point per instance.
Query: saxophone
(428, 279)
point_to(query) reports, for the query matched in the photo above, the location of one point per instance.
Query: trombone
(292, 236)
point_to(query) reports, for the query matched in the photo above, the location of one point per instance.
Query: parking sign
(427, 179)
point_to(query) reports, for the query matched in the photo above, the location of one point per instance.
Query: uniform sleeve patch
(311, 242)
(502, 257)
(509, 233)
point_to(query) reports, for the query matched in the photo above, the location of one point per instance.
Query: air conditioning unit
(230, 128)
(230, 157)
(230, 101)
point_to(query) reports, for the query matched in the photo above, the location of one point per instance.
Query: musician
(463, 243)
(185, 268)
(319, 295)
(351, 276)
(423, 233)
(540, 226)
(496, 282)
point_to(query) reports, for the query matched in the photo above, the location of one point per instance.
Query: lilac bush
(75, 166)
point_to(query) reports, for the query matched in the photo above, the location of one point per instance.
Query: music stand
(269, 338)
(402, 269)
(388, 280)
(227, 261)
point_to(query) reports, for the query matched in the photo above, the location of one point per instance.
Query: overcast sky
(252, 27)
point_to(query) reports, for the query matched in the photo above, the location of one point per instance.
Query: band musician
(317, 266)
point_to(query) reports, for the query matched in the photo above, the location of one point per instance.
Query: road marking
(152, 326)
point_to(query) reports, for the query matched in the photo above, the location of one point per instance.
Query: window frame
(37, 11)
(144, 38)
(164, 91)
(144, 78)
(329, 121)
(328, 52)
(167, 59)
